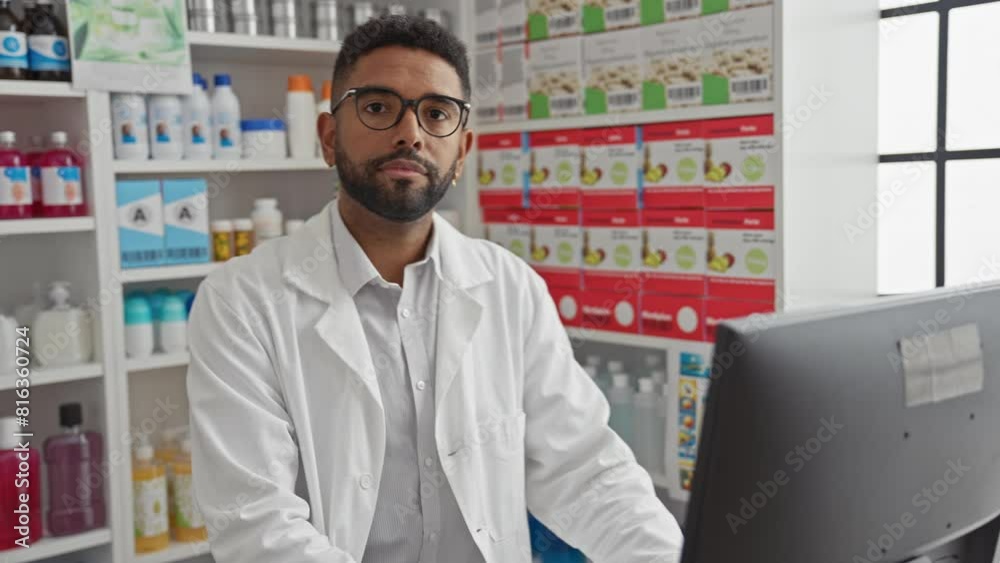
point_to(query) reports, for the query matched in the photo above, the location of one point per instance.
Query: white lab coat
(288, 426)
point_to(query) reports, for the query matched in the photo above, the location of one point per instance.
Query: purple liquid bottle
(76, 482)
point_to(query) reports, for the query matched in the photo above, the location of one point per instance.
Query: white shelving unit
(176, 552)
(167, 273)
(161, 167)
(158, 361)
(46, 226)
(261, 49)
(56, 375)
(31, 91)
(49, 548)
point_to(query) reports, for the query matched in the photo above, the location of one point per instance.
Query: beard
(399, 201)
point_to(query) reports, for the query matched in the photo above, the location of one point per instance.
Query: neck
(389, 245)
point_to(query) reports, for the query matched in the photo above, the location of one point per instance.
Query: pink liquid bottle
(74, 460)
(62, 180)
(15, 180)
(33, 157)
(20, 488)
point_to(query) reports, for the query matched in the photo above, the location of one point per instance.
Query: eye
(437, 114)
(376, 107)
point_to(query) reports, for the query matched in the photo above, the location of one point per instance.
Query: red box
(718, 310)
(610, 168)
(568, 305)
(612, 250)
(674, 246)
(673, 163)
(556, 246)
(554, 169)
(617, 311)
(670, 316)
(501, 170)
(742, 255)
(740, 172)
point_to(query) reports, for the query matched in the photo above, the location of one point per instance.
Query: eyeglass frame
(464, 107)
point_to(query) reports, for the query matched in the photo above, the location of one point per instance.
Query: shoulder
(245, 282)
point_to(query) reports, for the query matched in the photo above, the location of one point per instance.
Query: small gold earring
(454, 182)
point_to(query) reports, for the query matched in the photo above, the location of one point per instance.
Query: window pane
(886, 4)
(906, 232)
(972, 246)
(908, 84)
(973, 80)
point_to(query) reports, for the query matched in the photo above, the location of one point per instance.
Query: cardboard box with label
(672, 65)
(739, 173)
(671, 316)
(612, 73)
(659, 11)
(616, 311)
(673, 160)
(610, 168)
(554, 18)
(487, 16)
(554, 168)
(501, 170)
(509, 228)
(742, 250)
(606, 15)
(185, 213)
(140, 223)
(737, 64)
(612, 250)
(514, 82)
(513, 21)
(716, 6)
(486, 84)
(568, 305)
(718, 310)
(674, 248)
(555, 248)
(555, 78)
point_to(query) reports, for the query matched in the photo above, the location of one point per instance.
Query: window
(939, 144)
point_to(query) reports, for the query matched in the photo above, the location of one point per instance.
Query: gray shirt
(417, 518)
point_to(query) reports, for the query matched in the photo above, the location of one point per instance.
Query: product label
(150, 498)
(166, 127)
(673, 156)
(185, 512)
(555, 247)
(487, 85)
(227, 131)
(514, 83)
(509, 229)
(501, 170)
(692, 390)
(13, 50)
(552, 18)
(718, 310)
(737, 65)
(602, 15)
(243, 242)
(567, 302)
(741, 255)
(61, 185)
(555, 81)
(612, 249)
(671, 75)
(673, 317)
(674, 248)
(15, 186)
(222, 246)
(738, 171)
(185, 213)
(554, 169)
(48, 52)
(612, 73)
(610, 168)
(658, 11)
(617, 311)
(140, 223)
(199, 132)
(487, 30)
(513, 20)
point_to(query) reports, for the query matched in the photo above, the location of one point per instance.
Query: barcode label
(621, 15)
(623, 100)
(562, 23)
(518, 111)
(485, 37)
(181, 253)
(683, 93)
(141, 256)
(513, 32)
(749, 86)
(564, 104)
(675, 6)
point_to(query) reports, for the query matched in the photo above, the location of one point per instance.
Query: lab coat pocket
(504, 492)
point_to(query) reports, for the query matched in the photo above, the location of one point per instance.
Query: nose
(408, 132)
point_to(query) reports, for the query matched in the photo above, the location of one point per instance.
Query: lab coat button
(366, 481)
(406, 313)
(428, 462)
(434, 536)
(421, 385)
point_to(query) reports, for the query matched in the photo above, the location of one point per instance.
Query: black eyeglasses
(381, 109)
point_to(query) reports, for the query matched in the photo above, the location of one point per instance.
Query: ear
(326, 127)
(465, 147)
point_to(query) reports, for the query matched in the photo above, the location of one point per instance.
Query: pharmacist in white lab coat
(378, 388)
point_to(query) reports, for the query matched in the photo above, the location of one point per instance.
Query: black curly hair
(406, 31)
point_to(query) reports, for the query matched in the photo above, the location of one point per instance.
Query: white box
(555, 78)
(486, 86)
(672, 65)
(487, 23)
(513, 21)
(514, 82)
(742, 250)
(737, 65)
(740, 172)
(510, 229)
(554, 18)
(612, 72)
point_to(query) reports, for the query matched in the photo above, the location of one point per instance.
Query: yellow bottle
(169, 446)
(186, 520)
(149, 497)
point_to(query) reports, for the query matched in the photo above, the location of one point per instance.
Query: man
(378, 388)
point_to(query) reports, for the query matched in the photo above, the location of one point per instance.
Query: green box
(546, 23)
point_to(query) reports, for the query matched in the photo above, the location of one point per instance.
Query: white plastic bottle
(300, 108)
(197, 112)
(322, 107)
(650, 431)
(620, 397)
(139, 339)
(165, 127)
(129, 120)
(173, 325)
(227, 143)
(267, 220)
(606, 377)
(76, 346)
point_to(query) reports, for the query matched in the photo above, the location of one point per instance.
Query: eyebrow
(394, 91)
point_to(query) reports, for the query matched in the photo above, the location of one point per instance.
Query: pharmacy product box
(555, 249)
(659, 11)
(567, 302)
(606, 15)
(716, 6)
(612, 73)
(513, 21)
(554, 18)
(487, 23)
(185, 212)
(487, 85)
(672, 65)
(140, 223)
(501, 168)
(610, 168)
(673, 160)
(612, 249)
(616, 311)
(742, 249)
(671, 316)
(509, 228)
(674, 248)
(554, 168)
(738, 171)
(555, 78)
(514, 82)
(719, 310)
(737, 65)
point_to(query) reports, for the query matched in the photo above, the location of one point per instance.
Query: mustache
(404, 154)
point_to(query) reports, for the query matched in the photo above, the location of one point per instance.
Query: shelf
(176, 552)
(158, 361)
(636, 118)
(48, 548)
(261, 49)
(40, 376)
(147, 167)
(44, 226)
(164, 273)
(37, 91)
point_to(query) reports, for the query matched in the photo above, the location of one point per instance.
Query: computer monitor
(861, 435)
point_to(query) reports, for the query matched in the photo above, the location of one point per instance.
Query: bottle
(197, 122)
(227, 143)
(300, 107)
(323, 106)
(139, 339)
(243, 236)
(149, 497)
(13, 486)
(596, 378)
(222, 240)
(48, 50)
(620, 397)
(267, 220)
(33, 158)
(187, 296)
(156, 299)
(653, 362)
(15, 180)
(188, 522)
(66, 327)
(129, 121)
(165, 127)
(61, 172)
(650, 427)
(71, 458)
(169, 447)
(173, 325)
(283, 20)
(606, 378)
(13, 45)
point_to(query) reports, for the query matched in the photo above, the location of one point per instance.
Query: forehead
(411, 72)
